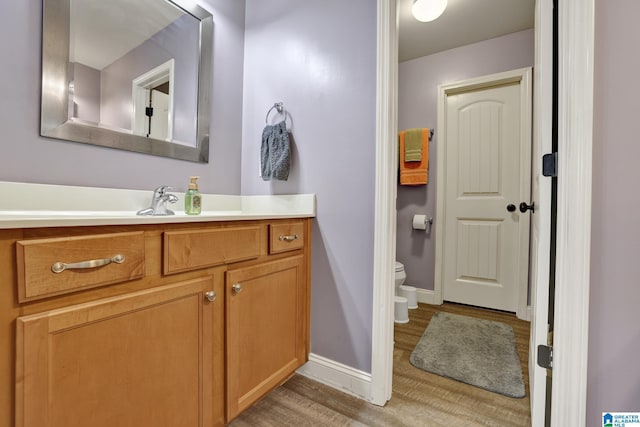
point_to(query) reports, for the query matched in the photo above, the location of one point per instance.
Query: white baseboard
(426, 296)
(527, 314)
(344, 378)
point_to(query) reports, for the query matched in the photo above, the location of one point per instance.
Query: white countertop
(24, 205)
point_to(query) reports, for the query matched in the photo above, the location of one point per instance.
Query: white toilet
(405, 296)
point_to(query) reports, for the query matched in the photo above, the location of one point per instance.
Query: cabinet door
(266, 327)
(140, 359)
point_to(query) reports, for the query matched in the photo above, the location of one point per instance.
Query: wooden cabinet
(266, 329)
(139, 343)
(139, 359)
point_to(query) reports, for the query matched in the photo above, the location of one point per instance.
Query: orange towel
(415, 173)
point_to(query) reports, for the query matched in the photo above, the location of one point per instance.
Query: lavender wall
(86, 95)
(613, 380)
(27, 157)
(418, 81)
(319, 58)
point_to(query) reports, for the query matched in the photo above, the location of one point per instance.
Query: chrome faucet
(159, 202)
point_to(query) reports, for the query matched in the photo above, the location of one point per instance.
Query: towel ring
(279, 106)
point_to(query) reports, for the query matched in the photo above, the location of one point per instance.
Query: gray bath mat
(475, 351)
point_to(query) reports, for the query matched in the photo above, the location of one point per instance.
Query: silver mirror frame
(55, 121)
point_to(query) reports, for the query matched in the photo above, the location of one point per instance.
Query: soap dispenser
(192, 198)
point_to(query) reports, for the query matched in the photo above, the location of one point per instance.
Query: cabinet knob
(210, 296)
(236, 289)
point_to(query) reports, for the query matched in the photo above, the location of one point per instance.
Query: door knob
(210, 296)
(236, 289)
(524, 207)
(511, 207)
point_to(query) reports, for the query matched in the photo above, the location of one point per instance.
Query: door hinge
(545, 356)
(148, 111)
(550, 165)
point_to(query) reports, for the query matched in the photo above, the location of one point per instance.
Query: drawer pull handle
(59, 267)
(290, 238)
(236, 289)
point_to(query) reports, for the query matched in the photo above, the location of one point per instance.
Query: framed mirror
(131, 75)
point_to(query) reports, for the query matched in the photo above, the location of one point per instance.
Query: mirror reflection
(127, 75)
(135, 67)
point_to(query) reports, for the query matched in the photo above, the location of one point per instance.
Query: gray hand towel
(275, 152)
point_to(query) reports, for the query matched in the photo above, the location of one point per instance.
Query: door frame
(521, 76)
(575, 109)
(541, 190)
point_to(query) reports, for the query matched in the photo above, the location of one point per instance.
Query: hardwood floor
(419, 398)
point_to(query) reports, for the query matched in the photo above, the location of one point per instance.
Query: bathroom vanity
(174, 321)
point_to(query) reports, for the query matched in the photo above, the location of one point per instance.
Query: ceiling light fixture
(428, 10)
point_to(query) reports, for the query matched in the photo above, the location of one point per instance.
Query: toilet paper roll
(419, 222)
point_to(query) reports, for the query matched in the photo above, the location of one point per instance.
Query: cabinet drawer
(286, 237)
(48, 267)
(189, 250)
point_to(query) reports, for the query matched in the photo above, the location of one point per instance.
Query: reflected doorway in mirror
(152, 114)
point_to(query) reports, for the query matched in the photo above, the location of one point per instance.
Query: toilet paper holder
(428, 223)
(422, 222)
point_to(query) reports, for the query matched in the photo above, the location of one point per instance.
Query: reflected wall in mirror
(128, 75)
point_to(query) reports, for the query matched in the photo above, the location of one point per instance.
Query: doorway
(152, 94)
(575, 77)
(387, 185)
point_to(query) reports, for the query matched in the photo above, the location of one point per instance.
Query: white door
(160, 120)
(487, 154)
